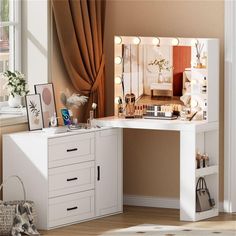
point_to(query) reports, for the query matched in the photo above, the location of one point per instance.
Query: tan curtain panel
(80, 28)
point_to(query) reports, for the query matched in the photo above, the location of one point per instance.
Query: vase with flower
(16, 86)
(72, 102)
(163, 65)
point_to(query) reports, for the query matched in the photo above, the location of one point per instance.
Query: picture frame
(34, 111)
(46, 92)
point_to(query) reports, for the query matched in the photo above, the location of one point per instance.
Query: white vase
(160, 78)
(14, 101)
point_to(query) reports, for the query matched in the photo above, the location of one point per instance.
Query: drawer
(70, 150)
(71, 208)
(70, 179)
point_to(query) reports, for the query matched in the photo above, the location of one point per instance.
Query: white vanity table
(77, 176)
(194, 135)
(202, 96)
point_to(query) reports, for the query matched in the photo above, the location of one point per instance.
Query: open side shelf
(207, 171)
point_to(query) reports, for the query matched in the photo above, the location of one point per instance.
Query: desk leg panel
(187, 175)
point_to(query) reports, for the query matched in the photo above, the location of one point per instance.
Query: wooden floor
(134, 216)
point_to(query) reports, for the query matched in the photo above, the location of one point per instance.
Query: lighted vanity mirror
(157, 70)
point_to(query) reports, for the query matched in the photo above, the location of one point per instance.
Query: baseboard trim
(148, 201)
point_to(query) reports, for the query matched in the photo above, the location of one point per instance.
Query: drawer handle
(72, 208)
(72, 179)
(98, 177)
(72, 150)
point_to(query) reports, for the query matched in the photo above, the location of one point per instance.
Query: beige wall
(151, 159)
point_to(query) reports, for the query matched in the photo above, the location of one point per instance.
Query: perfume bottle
(53, 120)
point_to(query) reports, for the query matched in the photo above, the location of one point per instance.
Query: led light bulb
(194, 42)
(175, 41)
(118, 80)
(118, 60)
(118, 40)
(136, 40)
(194, 103)
(117, 99)
(156, 41)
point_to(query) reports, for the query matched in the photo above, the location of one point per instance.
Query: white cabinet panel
(109, 176)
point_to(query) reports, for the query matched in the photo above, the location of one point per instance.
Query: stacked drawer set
(71, 177)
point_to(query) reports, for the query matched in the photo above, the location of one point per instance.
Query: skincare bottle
(141, 111)
(120, 108)
(204, 60)
(144, 110)
(205, 160)
(199, 160)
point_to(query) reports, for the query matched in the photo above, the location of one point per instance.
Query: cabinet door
(109, 188)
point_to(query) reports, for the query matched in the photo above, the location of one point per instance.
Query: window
(9, 39)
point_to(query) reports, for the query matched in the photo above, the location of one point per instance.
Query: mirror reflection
(156, 74)
(157, 70)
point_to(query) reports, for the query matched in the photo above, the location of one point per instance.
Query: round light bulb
(194, 103)
(118, 40)
(194, 42)
(156, 41)
(175, 41)
(117, 99)
(118, 60)
(118, 80)
(136, 40)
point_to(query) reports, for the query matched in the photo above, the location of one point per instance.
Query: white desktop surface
(155, 124)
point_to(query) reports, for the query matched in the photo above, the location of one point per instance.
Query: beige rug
(163, 230)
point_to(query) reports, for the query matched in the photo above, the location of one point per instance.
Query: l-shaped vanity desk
(77, 176)
(195, 136)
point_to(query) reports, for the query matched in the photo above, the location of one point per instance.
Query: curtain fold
(80, 30)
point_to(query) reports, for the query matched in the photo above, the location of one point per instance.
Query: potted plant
(16, 86)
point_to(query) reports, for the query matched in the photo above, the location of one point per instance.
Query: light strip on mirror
(118, 60)
(175, 42)
(118, 40)
(156, 41)
(194, 42)
(136, 40)
(118, 80)
(117, 100)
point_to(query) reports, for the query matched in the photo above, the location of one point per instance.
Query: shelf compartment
(206, 214)
(207, 171)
